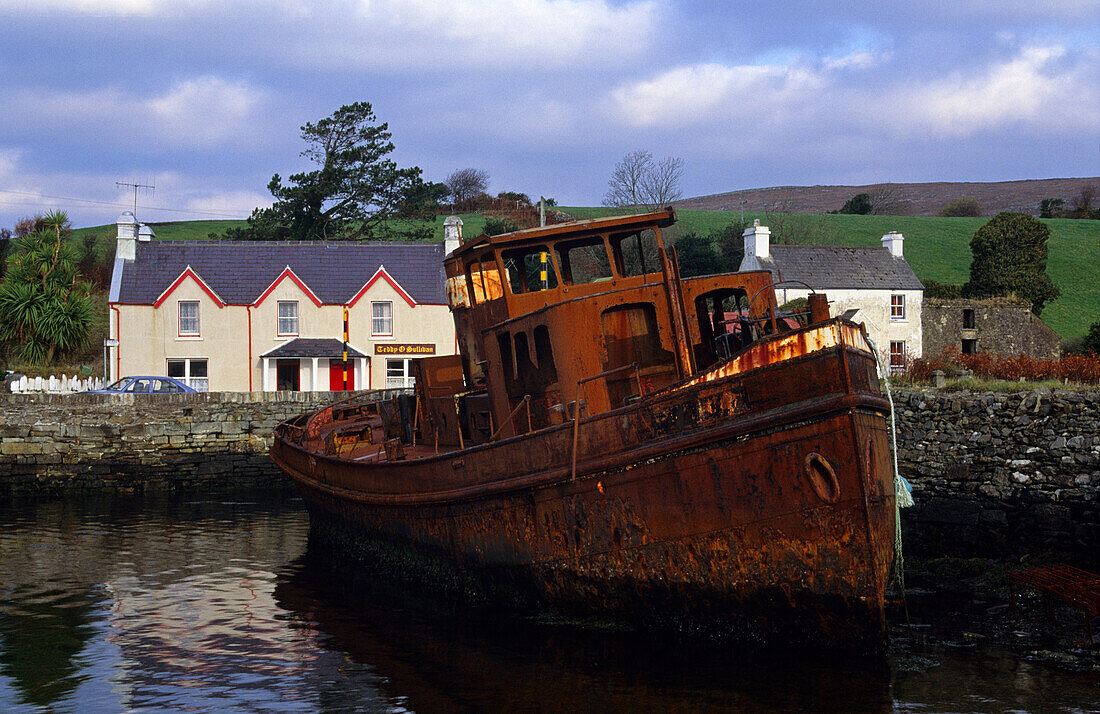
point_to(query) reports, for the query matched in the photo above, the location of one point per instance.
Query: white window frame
(180, 318)
(403, 381)
(899, 353)
(897, 306)
(199, 384)
(279, 318)
(386, 319)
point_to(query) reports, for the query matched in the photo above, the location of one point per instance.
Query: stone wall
(1002, 326)
(1001, 474)
(54, 443)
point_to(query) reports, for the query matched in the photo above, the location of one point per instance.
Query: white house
(874, 286)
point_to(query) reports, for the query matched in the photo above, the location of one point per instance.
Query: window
(164, 386)
(288, 318)
(968, 319)
(897, 355)
(191, 372)
(969, 347)
(584, 261)
(381, 321)
(188, 318)
(529, 270)
(897, 307)
(399, 373)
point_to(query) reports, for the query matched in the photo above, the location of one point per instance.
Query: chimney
(892, 242)
(126, 247)
(757, 239)
(145, 233)
(452, 234)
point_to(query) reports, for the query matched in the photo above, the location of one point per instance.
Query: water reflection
(41, 634)
(151, 604)
(444, 658)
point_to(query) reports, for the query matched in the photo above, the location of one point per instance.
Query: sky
(204, 99)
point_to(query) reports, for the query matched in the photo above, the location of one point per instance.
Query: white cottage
(874, 286)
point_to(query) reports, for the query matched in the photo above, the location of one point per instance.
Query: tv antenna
(135, 186)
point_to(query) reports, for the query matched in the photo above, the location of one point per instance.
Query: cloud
(497, 34)
(121, 8)
(228, 203)
(202, 112)
(207, 110)
(1036, 87)
(709, 92)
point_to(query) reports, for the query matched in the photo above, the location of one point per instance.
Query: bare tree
(641, 182)
(626, 187)
(887, 199)
(467, 183)
(661, 186)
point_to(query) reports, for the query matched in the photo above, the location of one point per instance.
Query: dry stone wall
(53, 443)
(998, 474)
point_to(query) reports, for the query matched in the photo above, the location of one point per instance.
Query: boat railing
(580, 402)
(526, 401)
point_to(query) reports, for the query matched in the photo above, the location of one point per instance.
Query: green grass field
(937, 248)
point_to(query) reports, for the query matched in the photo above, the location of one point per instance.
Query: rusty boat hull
(752, 500)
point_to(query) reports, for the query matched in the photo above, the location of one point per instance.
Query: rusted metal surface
(1079, 588)
(752, 489)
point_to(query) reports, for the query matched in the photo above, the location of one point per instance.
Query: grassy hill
(937, 248)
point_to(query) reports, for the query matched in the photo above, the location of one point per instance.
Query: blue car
(144, 385)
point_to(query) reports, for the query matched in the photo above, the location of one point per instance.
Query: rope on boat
(903, 492)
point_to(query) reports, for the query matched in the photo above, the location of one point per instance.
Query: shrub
(961, 207)
(860, 204)
(1090, 343)
(496, 226)
(1083, 369)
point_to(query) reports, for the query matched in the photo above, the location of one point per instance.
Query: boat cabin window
(530, 269)
(584, 261)
(545, 355)
(521, 373)
(635, 253)
(504, 343)
(723, 324)
(484, 279)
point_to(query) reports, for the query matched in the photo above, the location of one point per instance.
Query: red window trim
(380, 334)
(179, 327)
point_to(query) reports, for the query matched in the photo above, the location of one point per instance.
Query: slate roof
(313, 347)
(239, 272)
(824, 267)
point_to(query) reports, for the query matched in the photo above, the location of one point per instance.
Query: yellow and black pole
(345, 364)
(542, 269)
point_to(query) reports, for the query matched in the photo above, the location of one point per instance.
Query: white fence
(55, 385)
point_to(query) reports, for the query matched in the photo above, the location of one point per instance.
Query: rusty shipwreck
(614, 439)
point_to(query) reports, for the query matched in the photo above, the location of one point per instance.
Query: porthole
(822, 477)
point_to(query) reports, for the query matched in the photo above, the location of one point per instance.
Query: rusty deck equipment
(1077, 587)
(614, 439)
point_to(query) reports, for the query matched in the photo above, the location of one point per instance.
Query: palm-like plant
(45, 309)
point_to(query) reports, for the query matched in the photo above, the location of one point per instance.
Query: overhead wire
(113, 204)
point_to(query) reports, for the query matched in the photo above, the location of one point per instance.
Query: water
(150, 605)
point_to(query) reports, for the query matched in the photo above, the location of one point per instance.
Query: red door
(336, 375)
